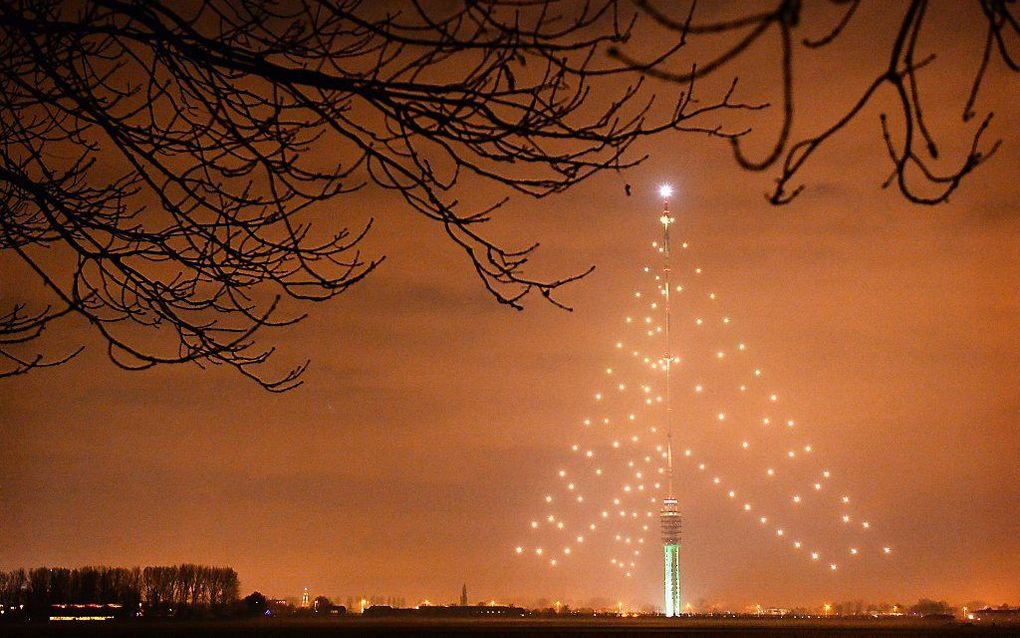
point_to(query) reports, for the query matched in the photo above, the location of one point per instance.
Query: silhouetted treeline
(175, 590)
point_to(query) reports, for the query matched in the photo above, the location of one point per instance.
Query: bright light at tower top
(665, 191)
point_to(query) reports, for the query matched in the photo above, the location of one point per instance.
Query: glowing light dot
(745, 445)
(619, 344)
(697, 271)
(665, 190)
(763, 520)
(779, 532)
(765, 421)
(814, 555)
(598, 396)
(580, 499)
(588, 453)
(570, 486)
(534, 524)
(732, 494)
(757, 373)
(631, 417)
(791, 454)
(563, 472)
(807, 448)
(846, 519)
(796, 544)
(701, 466)
(716, 480)
(865, 524)
(825, 473)
(846, 499)
(621, 387)
(773, 398)
(574, 448)
(818, 486)
(550, 518)
(616, 444)
(559, 525)
(566, 550)
(698, 321)
(853, 550)
(726, 320)
(719, 355)
(741, 346)
(722, 417)
(519, 549)
(598, 472)
(538, 551)
(637, 294)
(553, 562)
(628, 320)
(789, 423)
(796, 499)
(832, 566)
(770, 472)
(587, 421)
(886, 550)
(687, 452)
(548, 499)
(698, 388)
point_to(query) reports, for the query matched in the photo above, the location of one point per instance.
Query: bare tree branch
(162, 163)
(913, 173)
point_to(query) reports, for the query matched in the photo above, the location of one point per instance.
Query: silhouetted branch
(162, 163)
(916, 179)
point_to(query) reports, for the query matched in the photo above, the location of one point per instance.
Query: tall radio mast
(669, 515)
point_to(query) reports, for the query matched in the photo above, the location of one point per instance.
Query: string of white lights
(612, 483)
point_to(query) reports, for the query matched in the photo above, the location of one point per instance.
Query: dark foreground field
(575, 627)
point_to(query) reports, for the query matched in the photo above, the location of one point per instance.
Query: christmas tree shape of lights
(612, 483)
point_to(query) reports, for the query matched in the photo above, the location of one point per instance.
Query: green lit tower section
(669, 515)
(669, 518)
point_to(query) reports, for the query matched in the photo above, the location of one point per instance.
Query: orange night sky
(433, 421)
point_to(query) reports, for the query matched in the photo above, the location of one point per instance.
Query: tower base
(671, 580)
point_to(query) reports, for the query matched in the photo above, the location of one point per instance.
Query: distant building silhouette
(1002, 616)
(463, 595)
(305, 604)
(455, 611)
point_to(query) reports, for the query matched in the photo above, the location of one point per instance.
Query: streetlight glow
(665, 191)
